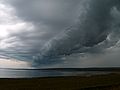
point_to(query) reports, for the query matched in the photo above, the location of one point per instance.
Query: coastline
(99, 82)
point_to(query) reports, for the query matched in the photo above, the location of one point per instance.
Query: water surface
(14, 73)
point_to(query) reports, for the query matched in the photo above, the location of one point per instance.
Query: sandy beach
(97, 82)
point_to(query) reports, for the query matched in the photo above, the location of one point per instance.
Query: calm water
(8, 73)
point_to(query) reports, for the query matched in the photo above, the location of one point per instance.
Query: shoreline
(98, 82)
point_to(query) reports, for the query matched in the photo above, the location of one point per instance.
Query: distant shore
(97, 82)
(73, 69)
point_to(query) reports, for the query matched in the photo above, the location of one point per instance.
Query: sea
(23, 73)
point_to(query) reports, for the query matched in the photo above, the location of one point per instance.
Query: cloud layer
(60, 33)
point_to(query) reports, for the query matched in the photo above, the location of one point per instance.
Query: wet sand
(97, 82)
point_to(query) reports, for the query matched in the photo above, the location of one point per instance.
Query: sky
(59, 33)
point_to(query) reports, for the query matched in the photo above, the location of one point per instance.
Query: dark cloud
(55, 12)
(92, 28)
(62, 28)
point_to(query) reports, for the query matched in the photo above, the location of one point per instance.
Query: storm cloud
(62, 33)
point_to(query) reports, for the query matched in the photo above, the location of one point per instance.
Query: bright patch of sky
(10, 24)
(12, 63)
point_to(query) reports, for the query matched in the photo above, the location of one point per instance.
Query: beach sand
(97, 82)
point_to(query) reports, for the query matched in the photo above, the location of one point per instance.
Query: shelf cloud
(61, 33)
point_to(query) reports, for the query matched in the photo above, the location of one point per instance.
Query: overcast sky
(60, 33)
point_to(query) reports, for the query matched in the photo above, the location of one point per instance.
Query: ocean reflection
(10, 73)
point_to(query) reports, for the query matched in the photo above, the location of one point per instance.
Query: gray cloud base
(68, 27)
